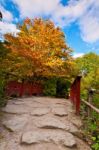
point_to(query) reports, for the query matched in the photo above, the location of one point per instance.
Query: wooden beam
(91, 106)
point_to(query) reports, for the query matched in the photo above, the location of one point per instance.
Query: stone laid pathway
(40, 123)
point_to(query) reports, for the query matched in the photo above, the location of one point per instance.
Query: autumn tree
(12, 65)
(43, 46)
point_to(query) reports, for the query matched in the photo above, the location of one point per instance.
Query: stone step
(60, 137)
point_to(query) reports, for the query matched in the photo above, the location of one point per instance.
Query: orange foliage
(43, 44)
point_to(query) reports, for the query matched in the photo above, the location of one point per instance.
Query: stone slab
(50, 123)
(40, 111)
(60, 137)
(15, 109)
(16, 123)
(59, 111)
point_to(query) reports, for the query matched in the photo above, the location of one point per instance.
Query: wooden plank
(91, 106)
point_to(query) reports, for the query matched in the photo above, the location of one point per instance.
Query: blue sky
(79, 19)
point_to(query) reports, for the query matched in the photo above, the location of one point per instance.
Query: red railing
(21, 89)
(75, 93)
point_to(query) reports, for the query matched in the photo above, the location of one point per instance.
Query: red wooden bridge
(75, 93)
(32, 117)
(25, 88)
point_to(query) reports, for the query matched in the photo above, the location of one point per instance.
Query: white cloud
(76, 55)
(59, 13)
(84, 12)
(7, 16)
(33, 8)
(8, 28)
(71, 12)
(89, 27)
(89, 24)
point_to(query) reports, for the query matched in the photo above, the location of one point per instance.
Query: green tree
(89, 64)
(3, 55)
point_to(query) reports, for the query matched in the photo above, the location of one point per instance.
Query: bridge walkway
(40, 123)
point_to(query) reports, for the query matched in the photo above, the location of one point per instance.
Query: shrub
(50, 87)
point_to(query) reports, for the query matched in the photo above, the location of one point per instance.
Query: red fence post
(78, 94)
(75, 93)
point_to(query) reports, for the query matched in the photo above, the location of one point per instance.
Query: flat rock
(15, 109)
(72, 128)
(18, 102)
(50, 122)
(60, 137)
(44, 146)
(59, 111)
(54, 123)
(16, 123)
(40, 111)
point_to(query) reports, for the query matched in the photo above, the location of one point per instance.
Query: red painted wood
(20, 89)
(78, 96)
(13, 88)
(75, 93)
